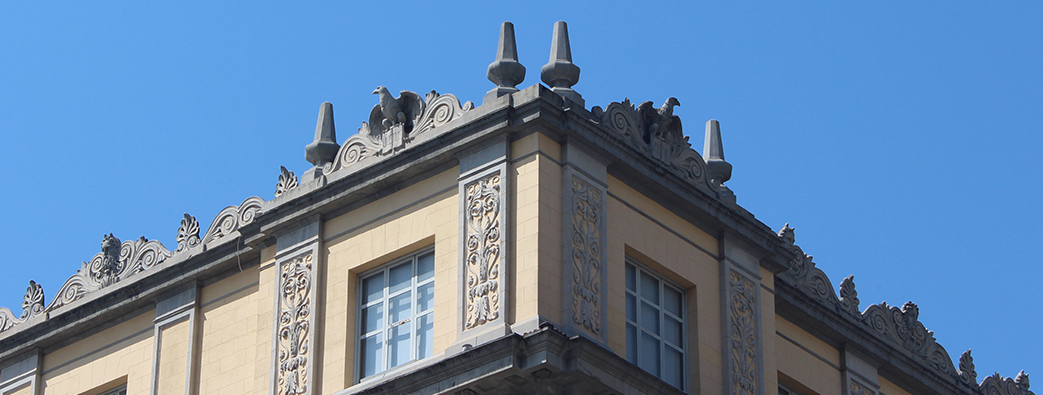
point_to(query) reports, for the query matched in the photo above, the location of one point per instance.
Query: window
(122, 390)
(655, 325)
(396, 319)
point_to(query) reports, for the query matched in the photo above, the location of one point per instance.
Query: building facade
(530, 244)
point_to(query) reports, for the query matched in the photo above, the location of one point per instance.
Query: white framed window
(656, 326)
(396, 314)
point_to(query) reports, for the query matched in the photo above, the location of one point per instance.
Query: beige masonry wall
(422, 215)
(806, 359)
(889, 388)
(173, 358)
(230, 317)
(122, 353)
(537, 229)
(25, 390)
(648, 232)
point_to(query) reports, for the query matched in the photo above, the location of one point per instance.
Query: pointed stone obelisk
(506, 72)
(324, 148)
(560, 73)
(717, 168)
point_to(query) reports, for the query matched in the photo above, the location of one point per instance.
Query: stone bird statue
(660, 120)
(390, 108)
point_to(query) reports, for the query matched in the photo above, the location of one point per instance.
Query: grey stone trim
(743, 346)
(899, 328)
(545, 361)
(180, 307)
(24, 372)
(295, 331)
(858, 376)
(584, 239)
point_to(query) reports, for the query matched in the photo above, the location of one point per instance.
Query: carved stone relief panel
(483, 249)
(584, 238)
(743, 359)
(294, 330)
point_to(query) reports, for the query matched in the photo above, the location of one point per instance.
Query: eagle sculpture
(663, 129)
(393, 118)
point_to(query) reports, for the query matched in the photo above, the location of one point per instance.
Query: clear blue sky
(900, 139)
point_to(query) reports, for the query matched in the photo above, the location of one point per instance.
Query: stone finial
(717, 168)
(560, 73)
(325, 146)
(324, 149)
(506, 72)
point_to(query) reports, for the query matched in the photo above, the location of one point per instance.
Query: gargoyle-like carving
(899, 326)
(410, 116)
(187, 234)
(32, 304)
(287, 181)
(231, 218)
(656, 132)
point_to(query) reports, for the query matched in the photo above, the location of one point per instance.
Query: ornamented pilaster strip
(294, 326)
(483, 250)
(586, 257)
(742, 334)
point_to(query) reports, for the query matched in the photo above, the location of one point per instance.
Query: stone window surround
(360, 336)
(663, 280)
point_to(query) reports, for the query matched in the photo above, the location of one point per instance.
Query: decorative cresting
(119, 261)
(394, 123)
(742, 334)
(483, 250)
(287, 181)
(587, 222)
(657, 133)
(294, 332)
(899, 326)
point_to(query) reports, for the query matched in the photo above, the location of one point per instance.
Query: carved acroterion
(287, 181)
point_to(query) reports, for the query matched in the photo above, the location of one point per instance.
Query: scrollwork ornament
(294, 322)
(586, 255)
(187, 234)
(32, 303)
(742, 334)
(483, 250)
(967, 374)
(849, 297)
(287, 181)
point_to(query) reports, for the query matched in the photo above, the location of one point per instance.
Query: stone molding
(380, 138)
(120, 261)
(899, 327)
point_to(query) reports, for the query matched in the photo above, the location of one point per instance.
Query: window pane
(650, 354)
(399, 308)
(672, 331)
(672, 301)
(372, 353)
(425, 266)
(649, 318)
(399, 345)
(425, 297)
(673, 368)
(631, 282)
(650, 288)
(372, 318)
(373, 288)
(631, 308)
(425, 333)
(401, 277)
(632, 344)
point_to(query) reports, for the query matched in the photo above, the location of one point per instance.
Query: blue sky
(900, 139)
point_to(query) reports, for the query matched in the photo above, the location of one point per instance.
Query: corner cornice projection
(118, 262)
(898, 327)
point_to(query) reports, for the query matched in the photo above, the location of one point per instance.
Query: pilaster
(584, 237)
(172, 310)
(295, 337)
(857, 374)
(741, 337)
(483, 267)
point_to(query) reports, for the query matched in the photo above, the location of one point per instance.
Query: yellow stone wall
(122, 352)
(422, 215)
(230, 317)
(806, 359)
(649, 233)
(173, 358)
(890, 388)
(24, 390)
